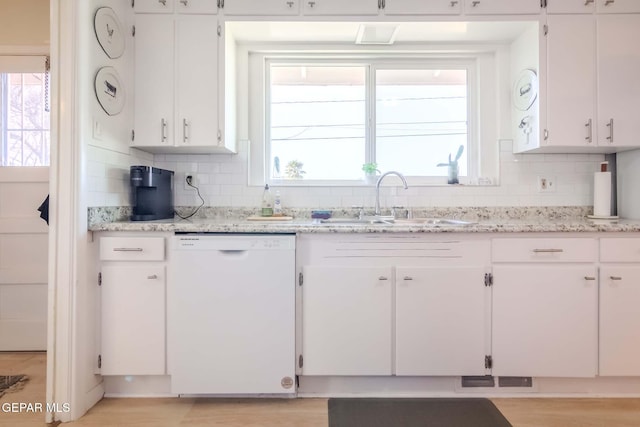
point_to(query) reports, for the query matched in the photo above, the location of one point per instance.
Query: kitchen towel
(602, 194)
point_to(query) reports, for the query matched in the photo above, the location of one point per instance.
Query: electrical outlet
(189, 178)
(546, 184)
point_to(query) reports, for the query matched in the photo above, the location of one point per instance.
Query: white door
(346, 320)
(133, 319)
(196, 80)
(440, 321)
(23, 259)
(262, 7)
(571, 6)
(154, 80)
(501, 7)
(571, 80)
(545, 320)
(619, 320)
(618, 71)
(209, 7)
(339, 7)
(421, 7)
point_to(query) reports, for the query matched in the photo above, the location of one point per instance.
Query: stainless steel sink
(382, 220)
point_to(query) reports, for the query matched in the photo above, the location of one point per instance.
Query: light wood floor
(282, 412)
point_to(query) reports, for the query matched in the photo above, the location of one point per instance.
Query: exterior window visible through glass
(421, 119)
(24, 123)
(317, 122)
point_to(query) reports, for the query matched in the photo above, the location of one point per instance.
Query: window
(24, 119)
(325, 118)
(24, 130)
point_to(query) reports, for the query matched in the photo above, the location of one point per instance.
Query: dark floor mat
(427, 412)
(11, 383)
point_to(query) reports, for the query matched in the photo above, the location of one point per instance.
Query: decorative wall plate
(109, 90)
(109, 32)
(525, 89)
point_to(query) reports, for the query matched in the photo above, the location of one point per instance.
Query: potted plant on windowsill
(452, 173)
(370, 172)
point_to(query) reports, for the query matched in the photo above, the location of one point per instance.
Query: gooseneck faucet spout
(398, 174)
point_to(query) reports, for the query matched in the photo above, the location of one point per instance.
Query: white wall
(628, 174)
(223, 182)
(24, 22)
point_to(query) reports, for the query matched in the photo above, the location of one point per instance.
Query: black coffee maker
(151, 193)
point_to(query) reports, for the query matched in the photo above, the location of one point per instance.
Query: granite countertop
(484, 220)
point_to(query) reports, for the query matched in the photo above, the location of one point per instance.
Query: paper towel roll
(602, 194)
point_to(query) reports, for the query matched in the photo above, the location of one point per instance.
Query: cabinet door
(196, 80)
(421, 7)
(619, 320)
(618, 6)
(440, 321)
(501, 7)
(260, 8)
(545, 320)
(133, 320)
(340, 7)
(346, 321)
(570, 6)
(197, 6)
(618, 71)
(571, 80)
(154, 6)
(154, 80)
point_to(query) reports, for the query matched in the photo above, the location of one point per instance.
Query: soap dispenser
(267, 202)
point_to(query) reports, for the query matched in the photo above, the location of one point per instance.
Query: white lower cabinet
(440, 321)
(619, 312)
(346, 320)
(132, 295)
(545, 320)
(404, 305)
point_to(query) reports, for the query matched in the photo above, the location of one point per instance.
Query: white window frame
(482, 67)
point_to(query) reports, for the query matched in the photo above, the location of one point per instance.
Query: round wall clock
(525, 89)
(109, 32)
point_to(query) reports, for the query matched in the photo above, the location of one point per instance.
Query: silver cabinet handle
(185, 2)
(548, 250)
(164, 2)
(290, 4)
(608, 2)
(185, 130)
(127, 249)
(407, 278)
(589, 127)
(163, 126)
(588, 2)
(589, 278)
(610, 126)
(152, 277)
(383, 278)
(311, 4)
(475, 3)
(453, 3)
(379, 4)
(615, 277)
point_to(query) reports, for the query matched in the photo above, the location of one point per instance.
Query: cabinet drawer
(545, 250)
(132, 248)
(620, 250)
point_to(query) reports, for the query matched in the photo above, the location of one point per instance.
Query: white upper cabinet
(260, 8)
(618, 6)
(571, 80)
(618, 71)
(422, 7)
(341, 7)
(570, 6)
(154, 6)
(197, 6)
(501, 7)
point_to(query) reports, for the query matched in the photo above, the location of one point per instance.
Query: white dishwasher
(231, 314)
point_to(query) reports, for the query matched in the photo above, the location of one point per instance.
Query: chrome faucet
(404, 181)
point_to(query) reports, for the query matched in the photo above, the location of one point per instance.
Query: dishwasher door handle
(232, 251)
